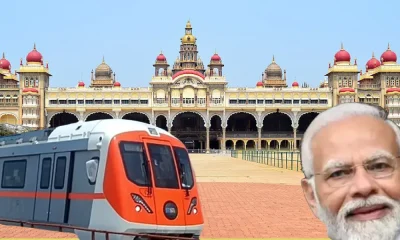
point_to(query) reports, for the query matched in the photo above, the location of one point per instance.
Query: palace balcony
(9, 87)
(369, 86)
(8, 104)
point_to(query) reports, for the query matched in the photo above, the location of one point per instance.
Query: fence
(283, 159)
(212, 151)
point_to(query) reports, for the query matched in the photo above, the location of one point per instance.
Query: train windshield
(135, 163)
(163, 166)
(184, 166)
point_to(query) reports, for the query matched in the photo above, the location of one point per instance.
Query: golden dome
(188, 38)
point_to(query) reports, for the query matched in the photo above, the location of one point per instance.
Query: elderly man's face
(363, 206)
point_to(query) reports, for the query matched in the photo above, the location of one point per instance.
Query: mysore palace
(193, 101)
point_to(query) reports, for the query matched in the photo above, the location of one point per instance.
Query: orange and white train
(114, 175)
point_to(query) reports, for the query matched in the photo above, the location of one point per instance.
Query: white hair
(334, 114)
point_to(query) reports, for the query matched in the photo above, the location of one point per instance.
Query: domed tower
(188, 53)
(103, 76)
(388, 73)
(161, 66)
(366, 79)
(215, 65)
(34, 78)
(8, 78)
(343, 77)
(273, 75)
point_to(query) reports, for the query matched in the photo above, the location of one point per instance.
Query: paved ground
(240, 200)
(250, 200)
(214, 168)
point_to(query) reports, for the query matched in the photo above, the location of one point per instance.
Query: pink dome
(389, 56)
(34, 56)
(161, 58)
(4, 63)
(215, 57)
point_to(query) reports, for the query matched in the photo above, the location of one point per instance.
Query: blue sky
(74, 35)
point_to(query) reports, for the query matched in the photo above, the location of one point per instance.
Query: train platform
(241, 200)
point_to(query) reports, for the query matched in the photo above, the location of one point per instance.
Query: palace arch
(215, 132)
(241, 122)
(98, 116)
(277, 122)
(8, 119)
(241, 125)
(189, 128)
(305, 121)
(137, 116)
(161, 122)
(62, 118)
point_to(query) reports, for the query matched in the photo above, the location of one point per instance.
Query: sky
(73, 36)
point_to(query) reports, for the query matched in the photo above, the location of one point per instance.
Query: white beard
(340, 228)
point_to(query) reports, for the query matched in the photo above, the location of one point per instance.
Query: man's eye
(340, 173)
(380, 166)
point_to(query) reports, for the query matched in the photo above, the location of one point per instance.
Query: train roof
(111, 127)
(82, 130)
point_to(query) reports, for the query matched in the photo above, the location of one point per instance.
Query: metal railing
(93, 232)
(282, 159)
(211, 151)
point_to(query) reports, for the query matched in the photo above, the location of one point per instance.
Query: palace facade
(193, 101)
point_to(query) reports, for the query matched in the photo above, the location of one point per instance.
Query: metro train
(113, 175)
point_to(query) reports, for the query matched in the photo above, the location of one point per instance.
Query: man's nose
(363, 184)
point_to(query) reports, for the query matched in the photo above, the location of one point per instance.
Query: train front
(150, 184)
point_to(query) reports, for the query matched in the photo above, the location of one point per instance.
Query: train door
(59, 188)
(166, 189)
(43, 188)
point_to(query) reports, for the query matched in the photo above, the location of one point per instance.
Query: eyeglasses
(342, 175)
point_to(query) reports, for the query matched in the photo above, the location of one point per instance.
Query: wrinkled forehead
(353, 139)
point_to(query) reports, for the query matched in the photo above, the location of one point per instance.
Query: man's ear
(309, 195)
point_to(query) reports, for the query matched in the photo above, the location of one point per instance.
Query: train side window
(46, 173)
(135, 163)
(13, 174)
(91, 169)
(60, 172)
(184, 166)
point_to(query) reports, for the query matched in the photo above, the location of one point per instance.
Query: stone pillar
(169, 126)
(117, 114)
(259, 139)
(294, 139)
(81, 116)
(223, 145)
(208, 139)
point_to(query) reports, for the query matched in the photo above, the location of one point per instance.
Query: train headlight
(193, 203)
(139, 200)
(170, 210)
(138, 208)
